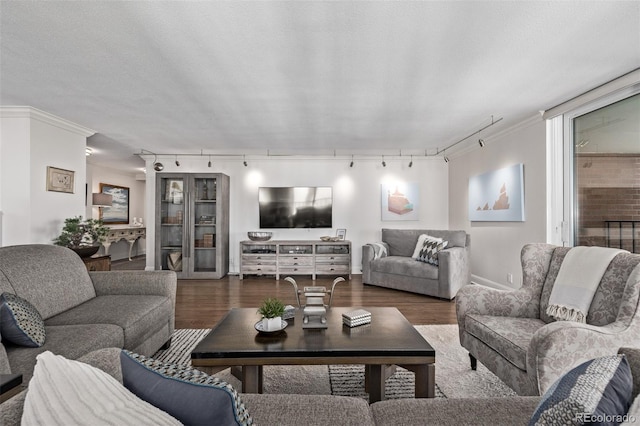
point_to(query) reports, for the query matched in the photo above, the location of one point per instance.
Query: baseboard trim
(475, 279)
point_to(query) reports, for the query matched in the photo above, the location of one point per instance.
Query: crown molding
(45, 117)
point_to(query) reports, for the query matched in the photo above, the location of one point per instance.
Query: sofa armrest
(453, 270)
(478, 299)
(158, 283)
(368, 255)
(559, 346)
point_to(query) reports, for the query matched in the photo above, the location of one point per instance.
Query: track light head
(351, 163)
(411, 162)
(158, 166)
(446, 159)
(177, 163)
(209, 163)
(384, 164)
(245, 163)
(481, 143)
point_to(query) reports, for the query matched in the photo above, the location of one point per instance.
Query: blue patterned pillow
(189, 395)
(595, 392)
(20, 322)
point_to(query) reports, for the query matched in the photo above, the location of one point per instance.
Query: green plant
(81, 233)
(271, 308)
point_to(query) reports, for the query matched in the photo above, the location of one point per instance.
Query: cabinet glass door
(172, 215)
(204, 224)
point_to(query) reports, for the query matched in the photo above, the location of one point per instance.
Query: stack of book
(356, 318)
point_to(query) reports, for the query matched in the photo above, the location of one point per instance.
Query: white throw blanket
(577, 282)
(379, 250)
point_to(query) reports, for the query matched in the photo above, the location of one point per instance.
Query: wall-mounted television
(295, 207)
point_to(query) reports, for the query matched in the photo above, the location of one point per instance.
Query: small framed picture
(60, 180)
(341, 233)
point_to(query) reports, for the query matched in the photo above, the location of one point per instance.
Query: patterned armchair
(511, 334)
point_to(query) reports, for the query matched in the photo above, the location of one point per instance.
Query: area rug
(454, 377)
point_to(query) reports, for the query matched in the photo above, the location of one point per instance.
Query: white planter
(272, 324)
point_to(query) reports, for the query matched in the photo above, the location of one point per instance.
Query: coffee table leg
(375, 383)
(252, 378)
(425, 380)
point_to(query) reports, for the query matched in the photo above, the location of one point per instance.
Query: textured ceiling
(178, 77)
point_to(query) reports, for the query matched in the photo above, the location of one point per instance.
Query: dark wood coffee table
(389, 340)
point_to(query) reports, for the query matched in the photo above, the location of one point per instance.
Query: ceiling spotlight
(244, 161)
(209, 163)
(384, 164)
(446, 159)
(177, 162)
(88, 151)
(411, 162)
(158, 166)
(481, 143)
(351, 163)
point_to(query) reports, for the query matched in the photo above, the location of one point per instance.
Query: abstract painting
(400, 201)
(497, 196)
(118, 212)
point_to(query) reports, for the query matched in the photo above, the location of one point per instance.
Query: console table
(124, 232)
(295, 257)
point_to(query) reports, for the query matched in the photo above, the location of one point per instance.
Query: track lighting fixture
(209, 163)
(481, 143)
(351, 163)
(244, 161)
(446, 159)
(411, 162)
(384, 164)
(158, 166)
(177, 162)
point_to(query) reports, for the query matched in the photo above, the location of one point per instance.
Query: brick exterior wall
(608, 189)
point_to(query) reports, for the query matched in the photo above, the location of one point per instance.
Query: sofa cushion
(509, 336)
(187, 394)
(140, 316)
(70, 341)
(51, 278)
(399, 265)
(67, 392)
(599, 388)
(297, 410)
(20, 322)
(430, 248)
(633, 358)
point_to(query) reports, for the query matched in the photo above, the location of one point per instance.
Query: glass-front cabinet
(192, 224)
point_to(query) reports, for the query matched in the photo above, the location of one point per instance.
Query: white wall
(31, 141)
(98, 174)
(495, 246)
(356, 195)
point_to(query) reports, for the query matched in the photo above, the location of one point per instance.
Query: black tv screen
(295, 207)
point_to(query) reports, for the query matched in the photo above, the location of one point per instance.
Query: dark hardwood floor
(201, 303)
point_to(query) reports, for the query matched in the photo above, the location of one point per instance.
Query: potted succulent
(271, 311)
(82, 236)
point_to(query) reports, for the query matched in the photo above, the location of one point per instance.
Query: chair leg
(166, 345)
(474, 362)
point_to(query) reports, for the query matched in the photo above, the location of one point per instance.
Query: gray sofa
(322, 410)
(84, 311)
(399, 271)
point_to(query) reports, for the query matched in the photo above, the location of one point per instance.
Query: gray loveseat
(84, 311)
(396, 269)
(324, 410)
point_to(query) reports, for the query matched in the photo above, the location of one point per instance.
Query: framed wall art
(399, 201)
(118, 212)
(497, 196)
(60, 180)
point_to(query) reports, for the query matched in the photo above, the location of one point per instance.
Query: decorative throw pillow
(189, 395)
(431, 246)
(419, 244)
(67, 392)
(20, 322)
(595, 392)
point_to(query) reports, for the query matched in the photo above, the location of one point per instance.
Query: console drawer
(259, 269)
(334, 259)
(295, 261)
(325, 269)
